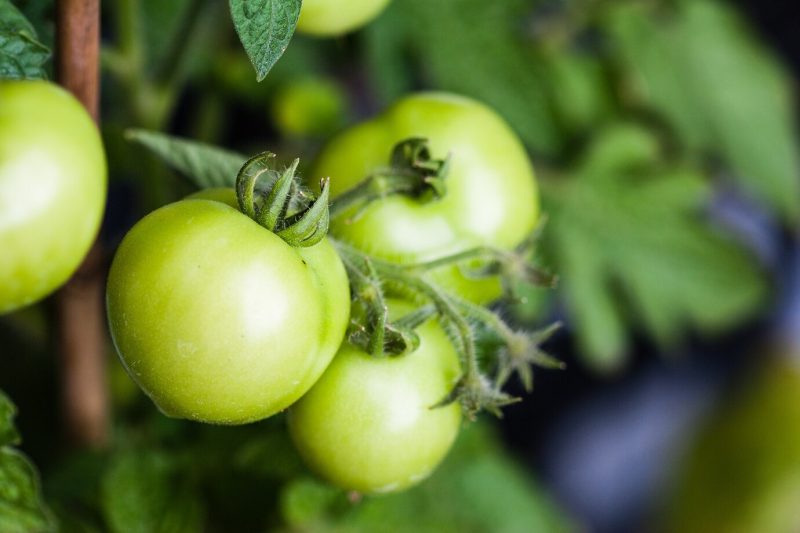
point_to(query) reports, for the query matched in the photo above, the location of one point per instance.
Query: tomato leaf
(629, 241)
(205, 165)
(265, 28)
(8, 433)
(21, 506)
(719, 89)
(22, 56)
(141, 493)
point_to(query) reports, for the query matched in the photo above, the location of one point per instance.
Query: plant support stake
(81, 332)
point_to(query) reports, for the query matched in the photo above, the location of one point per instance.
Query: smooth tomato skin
(367, 424)
(329, 276)
(329, 18)
(219, 320)
(52, 189)
(491, 198)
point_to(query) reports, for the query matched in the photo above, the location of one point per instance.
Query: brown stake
(81, 330)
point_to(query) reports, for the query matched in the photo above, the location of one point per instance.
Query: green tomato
(52, 189)
(491, 198)
(368, 425)
(309, 107)
(742, 471)
(327, 18)
(219, 320)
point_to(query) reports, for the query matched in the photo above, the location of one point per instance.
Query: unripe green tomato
(368, 423)
(329, 18)
(52, 189)
(218, 319)
(491, 197)
(742, 472)
(309, 107)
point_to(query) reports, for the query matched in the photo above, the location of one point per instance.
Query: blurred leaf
(22, 56)
(8, 433)
(306, 500)
(206, 165)
(578, 89)
(471, 47)
(265, 28)
(21, 507)
(141, 493)
(630, 246)
(702, 70)
(160, 23)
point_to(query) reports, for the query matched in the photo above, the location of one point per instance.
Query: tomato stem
(284, 208)
(474, 390)
(412, 172)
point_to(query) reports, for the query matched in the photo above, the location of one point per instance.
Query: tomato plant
(52, 189)
(369, 424)
(491, 197)
(326, 18)
(220, 320)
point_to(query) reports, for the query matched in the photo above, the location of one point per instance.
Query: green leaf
(205, 165)
(632, 249)
(22, 56)
(470, 47)
(306, 500)
(21, 507)
(8, 433)
(265, 28)
(719, 89)
(141, 492)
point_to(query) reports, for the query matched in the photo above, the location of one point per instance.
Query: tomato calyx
(373, 280)
(283, 207)
(412, 172)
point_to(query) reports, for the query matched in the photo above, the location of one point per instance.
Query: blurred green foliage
(21, 507)
(178, 476)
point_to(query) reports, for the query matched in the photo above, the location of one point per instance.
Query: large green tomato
(326, 18)
(368, 425)
(218, 319)
(491, 196)
(52, 189)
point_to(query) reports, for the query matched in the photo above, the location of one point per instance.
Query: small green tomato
(369, 423)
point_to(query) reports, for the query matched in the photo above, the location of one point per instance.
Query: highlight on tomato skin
(52, 189)
(369, 423)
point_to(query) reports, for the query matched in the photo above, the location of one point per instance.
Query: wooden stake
(81, 326)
